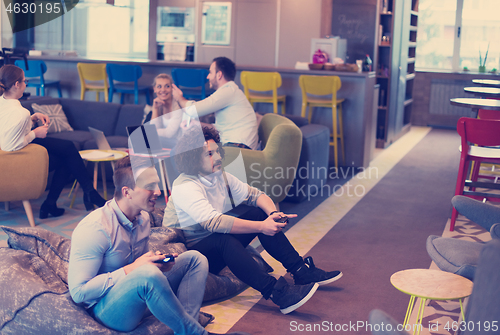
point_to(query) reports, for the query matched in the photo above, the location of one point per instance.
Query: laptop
(144, 140)
(100, 139)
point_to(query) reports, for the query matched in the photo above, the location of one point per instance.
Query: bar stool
(193, 79)
(479, 139)
(324, 86)
(127, 82)
(263, 82)
(35, 71)
(94, 72)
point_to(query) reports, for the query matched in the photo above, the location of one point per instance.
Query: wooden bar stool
(263, 82)
(324, 86)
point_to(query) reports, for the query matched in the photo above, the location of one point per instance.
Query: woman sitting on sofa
(15, 133)
(165, 113)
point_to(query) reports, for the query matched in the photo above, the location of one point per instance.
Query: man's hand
(177, 94)
(271, 227)
(149, 258)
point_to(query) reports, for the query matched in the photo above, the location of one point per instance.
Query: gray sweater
(197, 205)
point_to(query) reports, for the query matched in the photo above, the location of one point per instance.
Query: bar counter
(359, 109)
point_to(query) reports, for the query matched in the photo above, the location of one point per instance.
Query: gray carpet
(384, 233)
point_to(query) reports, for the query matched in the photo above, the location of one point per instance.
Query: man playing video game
(112, 273)
(200, 197)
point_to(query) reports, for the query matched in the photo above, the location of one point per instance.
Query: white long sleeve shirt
(234, 116)
(197, 205)
(15, 125)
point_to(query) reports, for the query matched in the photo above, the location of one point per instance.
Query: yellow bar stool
(324, 86)
(259, 82)
(96, 74)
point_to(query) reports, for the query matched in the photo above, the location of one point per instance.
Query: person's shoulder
(183, 178)
(98, 220)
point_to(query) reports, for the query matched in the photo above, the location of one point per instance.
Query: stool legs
(341, 131)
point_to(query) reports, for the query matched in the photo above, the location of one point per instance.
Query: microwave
(177, 20)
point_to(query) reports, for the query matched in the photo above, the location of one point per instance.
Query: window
(453, 33)
(95, 29)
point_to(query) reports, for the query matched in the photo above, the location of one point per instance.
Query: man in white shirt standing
(235, 118)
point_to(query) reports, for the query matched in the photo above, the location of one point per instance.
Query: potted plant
(482, 63)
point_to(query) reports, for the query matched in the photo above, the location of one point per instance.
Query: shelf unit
(398, 22)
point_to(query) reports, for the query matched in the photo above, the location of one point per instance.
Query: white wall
(300, 21)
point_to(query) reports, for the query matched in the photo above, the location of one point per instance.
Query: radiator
(442, 90)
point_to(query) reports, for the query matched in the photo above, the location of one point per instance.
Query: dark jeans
(64, 160)
(229, 249)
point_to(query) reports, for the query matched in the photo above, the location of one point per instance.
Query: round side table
(429, 284)
(98, 156)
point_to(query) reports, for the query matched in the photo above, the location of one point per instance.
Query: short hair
(189, 149)
(123, 176)
(226, 66)
(126, 173)
(162, 76)
(9, 76)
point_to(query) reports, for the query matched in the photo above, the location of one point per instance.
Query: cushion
(58, 120)
(51, 247)
(456, 256)
(495, 231)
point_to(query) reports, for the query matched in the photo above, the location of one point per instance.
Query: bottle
(367, 64)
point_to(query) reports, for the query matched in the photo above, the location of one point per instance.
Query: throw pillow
(51, 247)
(58, 120)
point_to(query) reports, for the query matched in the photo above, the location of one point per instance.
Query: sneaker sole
(331, 280)
(301, 302)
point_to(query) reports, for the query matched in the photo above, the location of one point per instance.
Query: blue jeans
(173, 297)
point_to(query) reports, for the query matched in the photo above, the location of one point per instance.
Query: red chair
(477, 135)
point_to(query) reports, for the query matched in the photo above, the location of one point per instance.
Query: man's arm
(214, 103)
(88, 247)
(268, 227)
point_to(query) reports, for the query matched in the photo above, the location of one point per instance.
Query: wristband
(273, 213)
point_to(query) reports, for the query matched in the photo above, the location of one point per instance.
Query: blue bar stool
(192, 79)
(124, 79)
(35, 71)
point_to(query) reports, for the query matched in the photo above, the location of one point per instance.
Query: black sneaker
(290, 297)
(309, 273)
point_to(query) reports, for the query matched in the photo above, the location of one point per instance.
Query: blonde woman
(166, 114)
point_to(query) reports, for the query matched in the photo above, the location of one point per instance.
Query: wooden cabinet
(397, 40)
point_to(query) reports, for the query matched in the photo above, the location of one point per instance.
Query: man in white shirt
(201, 196)
(235, 118)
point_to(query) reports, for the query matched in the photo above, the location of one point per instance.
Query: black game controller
(282, 219)
(167, 259)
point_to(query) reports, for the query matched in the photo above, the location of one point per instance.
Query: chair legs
(29, 212)
(459, 188)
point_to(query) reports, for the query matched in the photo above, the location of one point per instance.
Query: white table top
(476, 103)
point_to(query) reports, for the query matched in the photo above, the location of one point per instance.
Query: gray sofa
(34, 296)
(110, 118)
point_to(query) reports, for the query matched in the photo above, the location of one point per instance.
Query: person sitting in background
(200, 197)
(235, 118)
(461, 256)
(15, 133)
(165, 113)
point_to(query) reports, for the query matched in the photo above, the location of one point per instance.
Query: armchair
(273, 169)
(24, 176)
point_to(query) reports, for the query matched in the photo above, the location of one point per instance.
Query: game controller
(282, 219)
(167, 259)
